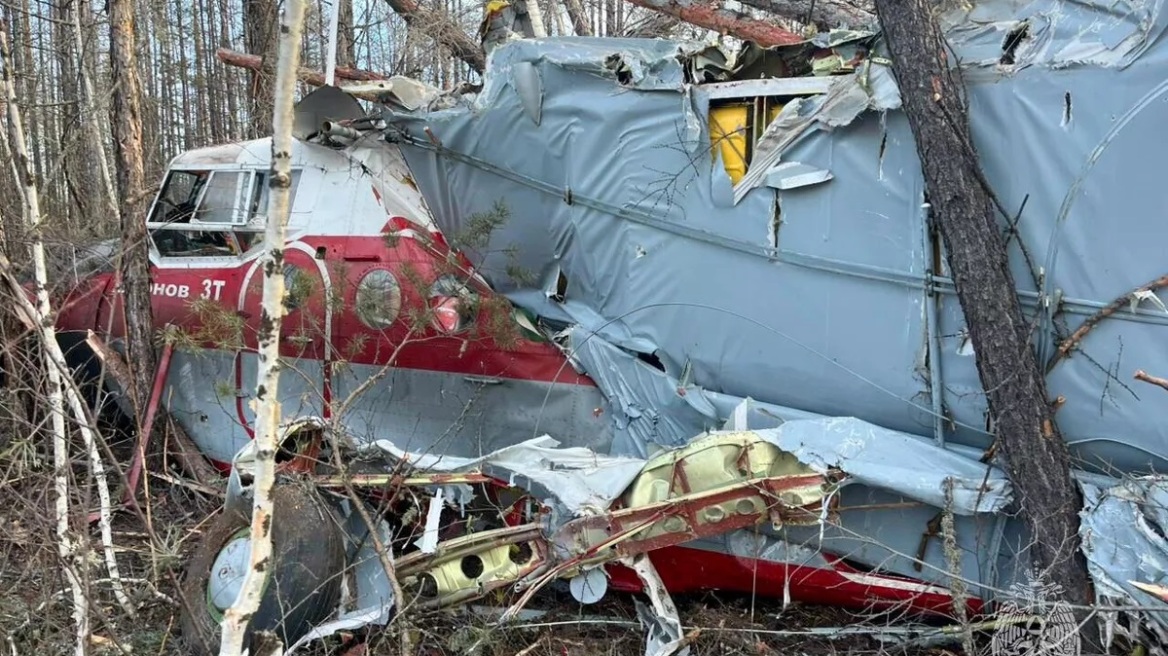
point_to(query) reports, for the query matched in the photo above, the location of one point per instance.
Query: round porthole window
(378, 299)
(453, 304)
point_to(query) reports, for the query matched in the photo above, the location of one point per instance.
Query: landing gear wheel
(303, 584)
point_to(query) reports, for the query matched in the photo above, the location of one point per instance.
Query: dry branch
(822, 13)
(315, 78)
(1141, 375)
(1104, 312)
(192, 462)
(723, 21)
(308, 76)
(651, 25)
(443, 30)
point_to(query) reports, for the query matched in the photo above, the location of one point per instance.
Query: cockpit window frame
(247, 221)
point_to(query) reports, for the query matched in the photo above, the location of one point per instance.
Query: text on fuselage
(212, 289)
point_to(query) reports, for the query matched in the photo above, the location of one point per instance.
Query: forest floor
(35, 602)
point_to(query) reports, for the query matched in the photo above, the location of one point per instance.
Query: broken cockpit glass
(211, 213)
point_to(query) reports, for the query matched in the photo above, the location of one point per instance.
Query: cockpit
(211, 213)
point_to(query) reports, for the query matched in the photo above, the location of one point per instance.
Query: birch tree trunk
(267, 404)
(537, 27)
(42, 316)
(135, 265)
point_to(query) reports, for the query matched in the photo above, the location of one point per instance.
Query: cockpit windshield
(179, 197)
(213, 213)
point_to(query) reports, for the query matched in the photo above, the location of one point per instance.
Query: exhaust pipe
(333, 129)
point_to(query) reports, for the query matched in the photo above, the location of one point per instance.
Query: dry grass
(34, 602)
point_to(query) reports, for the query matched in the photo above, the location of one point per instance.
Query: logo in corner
(1030, 625)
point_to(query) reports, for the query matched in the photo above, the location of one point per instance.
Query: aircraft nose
(76, 307)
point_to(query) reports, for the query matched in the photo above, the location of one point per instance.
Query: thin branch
(1104, 312)
(1154, 380)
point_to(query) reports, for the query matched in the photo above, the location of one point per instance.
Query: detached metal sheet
(1122, 527)
(911, 466)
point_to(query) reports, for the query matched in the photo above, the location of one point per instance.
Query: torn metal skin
(717, 484)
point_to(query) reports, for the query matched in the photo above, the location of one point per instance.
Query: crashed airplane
(733, 357)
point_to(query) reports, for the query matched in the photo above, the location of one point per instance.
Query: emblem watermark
(1030, 625)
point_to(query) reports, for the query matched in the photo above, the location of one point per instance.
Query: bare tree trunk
(190, 114)
(579, 20)
(346, 53)
(1036, 456)
(259, 17)
(168, 110)
(216, 103)
(156, 107)
(135, 269)
(204, 90)
(65, 547)
(727, 21)
(77, 194)
(29, 80)
(537, 26)
(267, 400)
(229, 86)
(100, 123)
(92, 124)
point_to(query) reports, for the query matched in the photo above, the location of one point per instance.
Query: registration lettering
(171, 290)
(213, 289)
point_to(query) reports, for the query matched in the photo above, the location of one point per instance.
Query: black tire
(303, 588)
